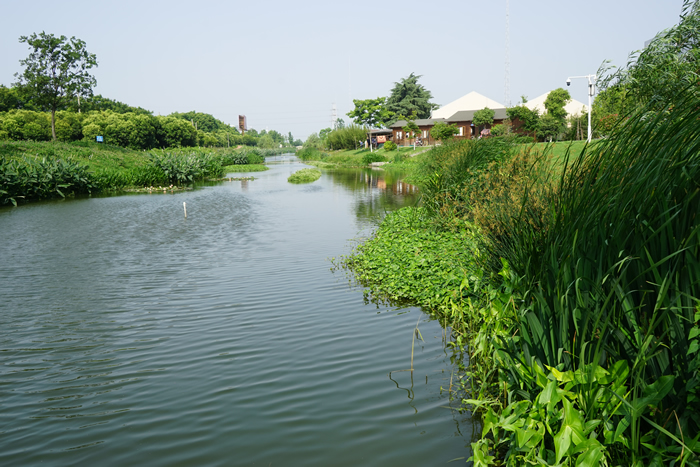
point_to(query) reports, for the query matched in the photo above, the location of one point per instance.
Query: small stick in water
(184, 205)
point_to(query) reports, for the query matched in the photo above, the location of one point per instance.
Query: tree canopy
(409, 97)
(483, 117)
(555, 102)
(441, 131)
(56, 71)
(371, 112)
(524, 117)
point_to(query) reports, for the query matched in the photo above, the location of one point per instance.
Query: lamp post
(591, 91)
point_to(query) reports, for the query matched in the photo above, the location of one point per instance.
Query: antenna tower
(334, 116)
(506, 91)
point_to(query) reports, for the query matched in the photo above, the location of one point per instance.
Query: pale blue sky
(284, 64)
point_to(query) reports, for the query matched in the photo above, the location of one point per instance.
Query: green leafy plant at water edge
(33, 178)
(370, 157)
(304, 176)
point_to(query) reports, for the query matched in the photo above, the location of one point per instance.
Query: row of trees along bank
(574, 285)
(53, 100)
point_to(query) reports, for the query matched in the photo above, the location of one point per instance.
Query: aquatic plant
(304, 176)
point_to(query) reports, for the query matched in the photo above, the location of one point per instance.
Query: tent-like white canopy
(574, 107)
(472, 101)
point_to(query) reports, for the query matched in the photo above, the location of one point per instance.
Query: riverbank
(404, 157)
(43, 170)
(575, 294)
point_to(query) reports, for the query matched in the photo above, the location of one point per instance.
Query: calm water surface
(131, 335)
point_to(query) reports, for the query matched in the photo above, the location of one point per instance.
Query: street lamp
(591, 91)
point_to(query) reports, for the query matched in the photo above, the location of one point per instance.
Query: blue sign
(100, 139)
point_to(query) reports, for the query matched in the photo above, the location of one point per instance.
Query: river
(130, 334)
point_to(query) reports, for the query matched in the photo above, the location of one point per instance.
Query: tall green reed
(610, 274)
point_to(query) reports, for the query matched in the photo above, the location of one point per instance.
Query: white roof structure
(472, 101)
(574, 107)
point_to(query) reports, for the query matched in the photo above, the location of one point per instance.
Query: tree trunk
(53, 125)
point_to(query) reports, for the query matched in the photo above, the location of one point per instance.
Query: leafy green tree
(523, 118)
(10, 99)
(176, 132)
(339, 124)
(555, 102)
(549, 126)
(409, 97)
(56, 71)
(313, 141)
(290, 139)
(99, 102)
(324, 133)
(483, 117)
(371, 112)
(266, 141)
(666, 68)
(442, 131)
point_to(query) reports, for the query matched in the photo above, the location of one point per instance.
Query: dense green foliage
(304, 176)
(578, 294)
(349, 137)
(483, 117)
(311, 154)
(133, 129)
(442, 131)
(371, 112)
(408, 97)
(56, 71)
(30, 171)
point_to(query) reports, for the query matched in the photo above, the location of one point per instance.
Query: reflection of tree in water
(378, 191)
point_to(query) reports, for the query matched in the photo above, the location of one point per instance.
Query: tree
(523, 118)
(408, 97)
(483, 117)
(56, 71)
(441, 131)
(371, 112)
(410, 128)
(290, 139)
(666, 68)
(555, 102)
(549, 126)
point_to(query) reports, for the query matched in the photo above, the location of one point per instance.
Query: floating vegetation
(231, 179)
(305, 176)
(157, 189)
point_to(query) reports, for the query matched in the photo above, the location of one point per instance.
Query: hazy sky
(284, 64)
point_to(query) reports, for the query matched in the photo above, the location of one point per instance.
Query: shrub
(370, 157)
(390, 146)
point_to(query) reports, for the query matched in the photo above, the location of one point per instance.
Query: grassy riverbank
(39, 170)
(356, 157)
(576, 295)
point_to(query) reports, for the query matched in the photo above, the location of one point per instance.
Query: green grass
(305, 176)
(245, 168)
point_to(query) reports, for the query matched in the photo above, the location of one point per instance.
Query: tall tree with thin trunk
(55, 72)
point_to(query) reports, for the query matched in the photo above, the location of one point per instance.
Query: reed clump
(580, 306)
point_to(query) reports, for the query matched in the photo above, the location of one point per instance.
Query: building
(459, 113)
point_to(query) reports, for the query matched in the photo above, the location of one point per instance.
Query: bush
(345, 138)
(311, 154)
(390, 146)
(370, 157)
